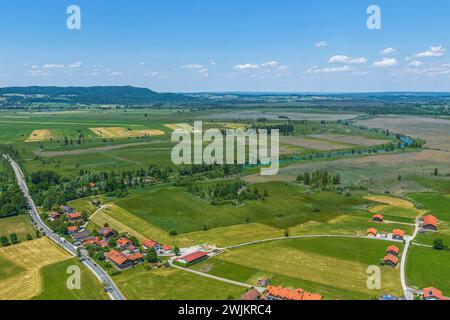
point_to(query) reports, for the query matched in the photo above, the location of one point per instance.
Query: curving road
(101, 275)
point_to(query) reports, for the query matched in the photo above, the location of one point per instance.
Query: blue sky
(228, 45)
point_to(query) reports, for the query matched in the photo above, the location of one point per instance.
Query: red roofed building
(393, 250)
(119, 259)
(167, 248)
(149, 244)
(430, 223)
(390, 260)
(311, 296)
(250, 295)
(398, 234)
(192, 258)
(54, 216)
(123, 243)
(378, 218)
(433, 294)
(281, 293)
(72, 229)
(74, 216)
(106, 232)
(372, 232)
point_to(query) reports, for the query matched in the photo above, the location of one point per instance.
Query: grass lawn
(19, 224)
(438, 204)
(171, 284)
(8, 268)
(287, 205)
(335, 268)
(54, 283)
(427, 267)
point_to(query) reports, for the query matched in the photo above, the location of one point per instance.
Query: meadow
(19, 225)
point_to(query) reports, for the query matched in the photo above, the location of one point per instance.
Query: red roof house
(433, 294)
(393, 250)
(372, 232)
(74, 216)
(123, 243)
(398, 234)
(72, 229)
(430, 223)
(192, 258)
(390, 260)
(250, 295)
(119, 259)
(149, 244)
(378, 218)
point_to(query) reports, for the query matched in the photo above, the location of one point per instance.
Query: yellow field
(40, 135)
(120, 132)
(181, 127)
(31, 256)
(396, 202)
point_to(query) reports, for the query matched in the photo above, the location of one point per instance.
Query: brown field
(392, 201)
(314, 143)
(40, 135)
(180, 126)
(120, 132)
(349, 139)
(31, 256)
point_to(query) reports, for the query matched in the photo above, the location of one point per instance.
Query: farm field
(350, 139)
(165, 284)
(334, 268)
(18, 224)
(119, 132)
(31, 257)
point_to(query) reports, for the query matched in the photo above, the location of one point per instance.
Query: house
(95, 241)
(393, 251)
(106, 232)
(54, 216)
(263, 282)
(390, 260)
(192, 258)
(119, 259)
(378, 218)
(123, 243)
(280, 293)
(81, 236)
(135, 258)
(398, 234)
(150, 244)
(430, 223)
(250, 295)
(72, 229)
(167, 249)
(67, 209)
(433, 294)
(74, 216)
(372, 232)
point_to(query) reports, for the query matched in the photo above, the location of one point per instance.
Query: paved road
(246, 285)
(407, 291)
(103, 277)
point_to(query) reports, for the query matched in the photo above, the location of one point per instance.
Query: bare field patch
(314, 143)
(41, 135)
(31, 256)
(350, 139)
(396, 202)
(120, 132)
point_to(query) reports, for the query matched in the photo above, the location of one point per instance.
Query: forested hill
(90, 95)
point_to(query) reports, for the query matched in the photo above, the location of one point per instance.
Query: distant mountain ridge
(91, 95)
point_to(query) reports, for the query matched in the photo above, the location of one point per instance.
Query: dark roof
(250, 295)
(81, 235)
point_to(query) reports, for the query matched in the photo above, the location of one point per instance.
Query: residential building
(118, 259)
(398, 234)
(430, 223)
(390, 260)
(378, 218)
(433, 294)
(372, 232)
(393, 250)
(250, 295)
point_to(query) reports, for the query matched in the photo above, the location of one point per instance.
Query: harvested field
(397, 202)
(314, 143)
(181, 127)
(120, 132)
(31, 256)
(350, 139)
(40, 135)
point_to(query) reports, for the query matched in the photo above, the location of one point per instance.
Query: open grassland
(287, 205)
(18, 224)
(355, 140)
(54, 278)
(314, 143)
(335, 268)
(436, 203)
(428, 268)
(30, 256)
(395, 209)
(171, 284)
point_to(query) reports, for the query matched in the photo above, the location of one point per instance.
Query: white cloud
(347, 60)
(75, 65)
(192, 66)
(385, 63)
(436, 51)
(246, 66)
(316, 70)
(270, 64)
(116, 73)
(321, 44)
(415, 63)
(53, 66)
(388, 51)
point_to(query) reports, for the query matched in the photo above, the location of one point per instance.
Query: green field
(437, 203)
(335, 268)
(169, 284)
(18, 224)
(428, 268)
(54, 283)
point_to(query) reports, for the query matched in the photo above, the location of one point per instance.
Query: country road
(406, 291)
(101, 275)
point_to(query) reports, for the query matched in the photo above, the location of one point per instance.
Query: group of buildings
(281, 293)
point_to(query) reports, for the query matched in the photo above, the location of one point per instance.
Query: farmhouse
(378, 218)
(430, 223)
(119, 259)
(372, 232)
(192, 258)
(74, 216)
(280, 293)
(398, 234)
(433, 294)
(250, 295)
(72, 229)
(124, 243)
(390, 260)
(393, 251)
(54, 216)
(150, 244)
(167, 249)
(106, 232)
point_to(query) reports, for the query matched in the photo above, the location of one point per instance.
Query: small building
(398, 234)
(167, 249)
(378, 218)
(67, 209)
(72, 229)
(135, 258)
(433, 294)
(281, 293)
(390, 260)
(95, 241)
(250, 295)
(74, 216)
(192, 258)
(263, 282)
(150, 244)
(54, 216)
(124, 243)
(430, 223)
(393, 251)
(106, 232)
(81, 236)
(119, 259)
(372, 232)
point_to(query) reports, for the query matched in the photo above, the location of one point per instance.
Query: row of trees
(319, 179)
(12, 201)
